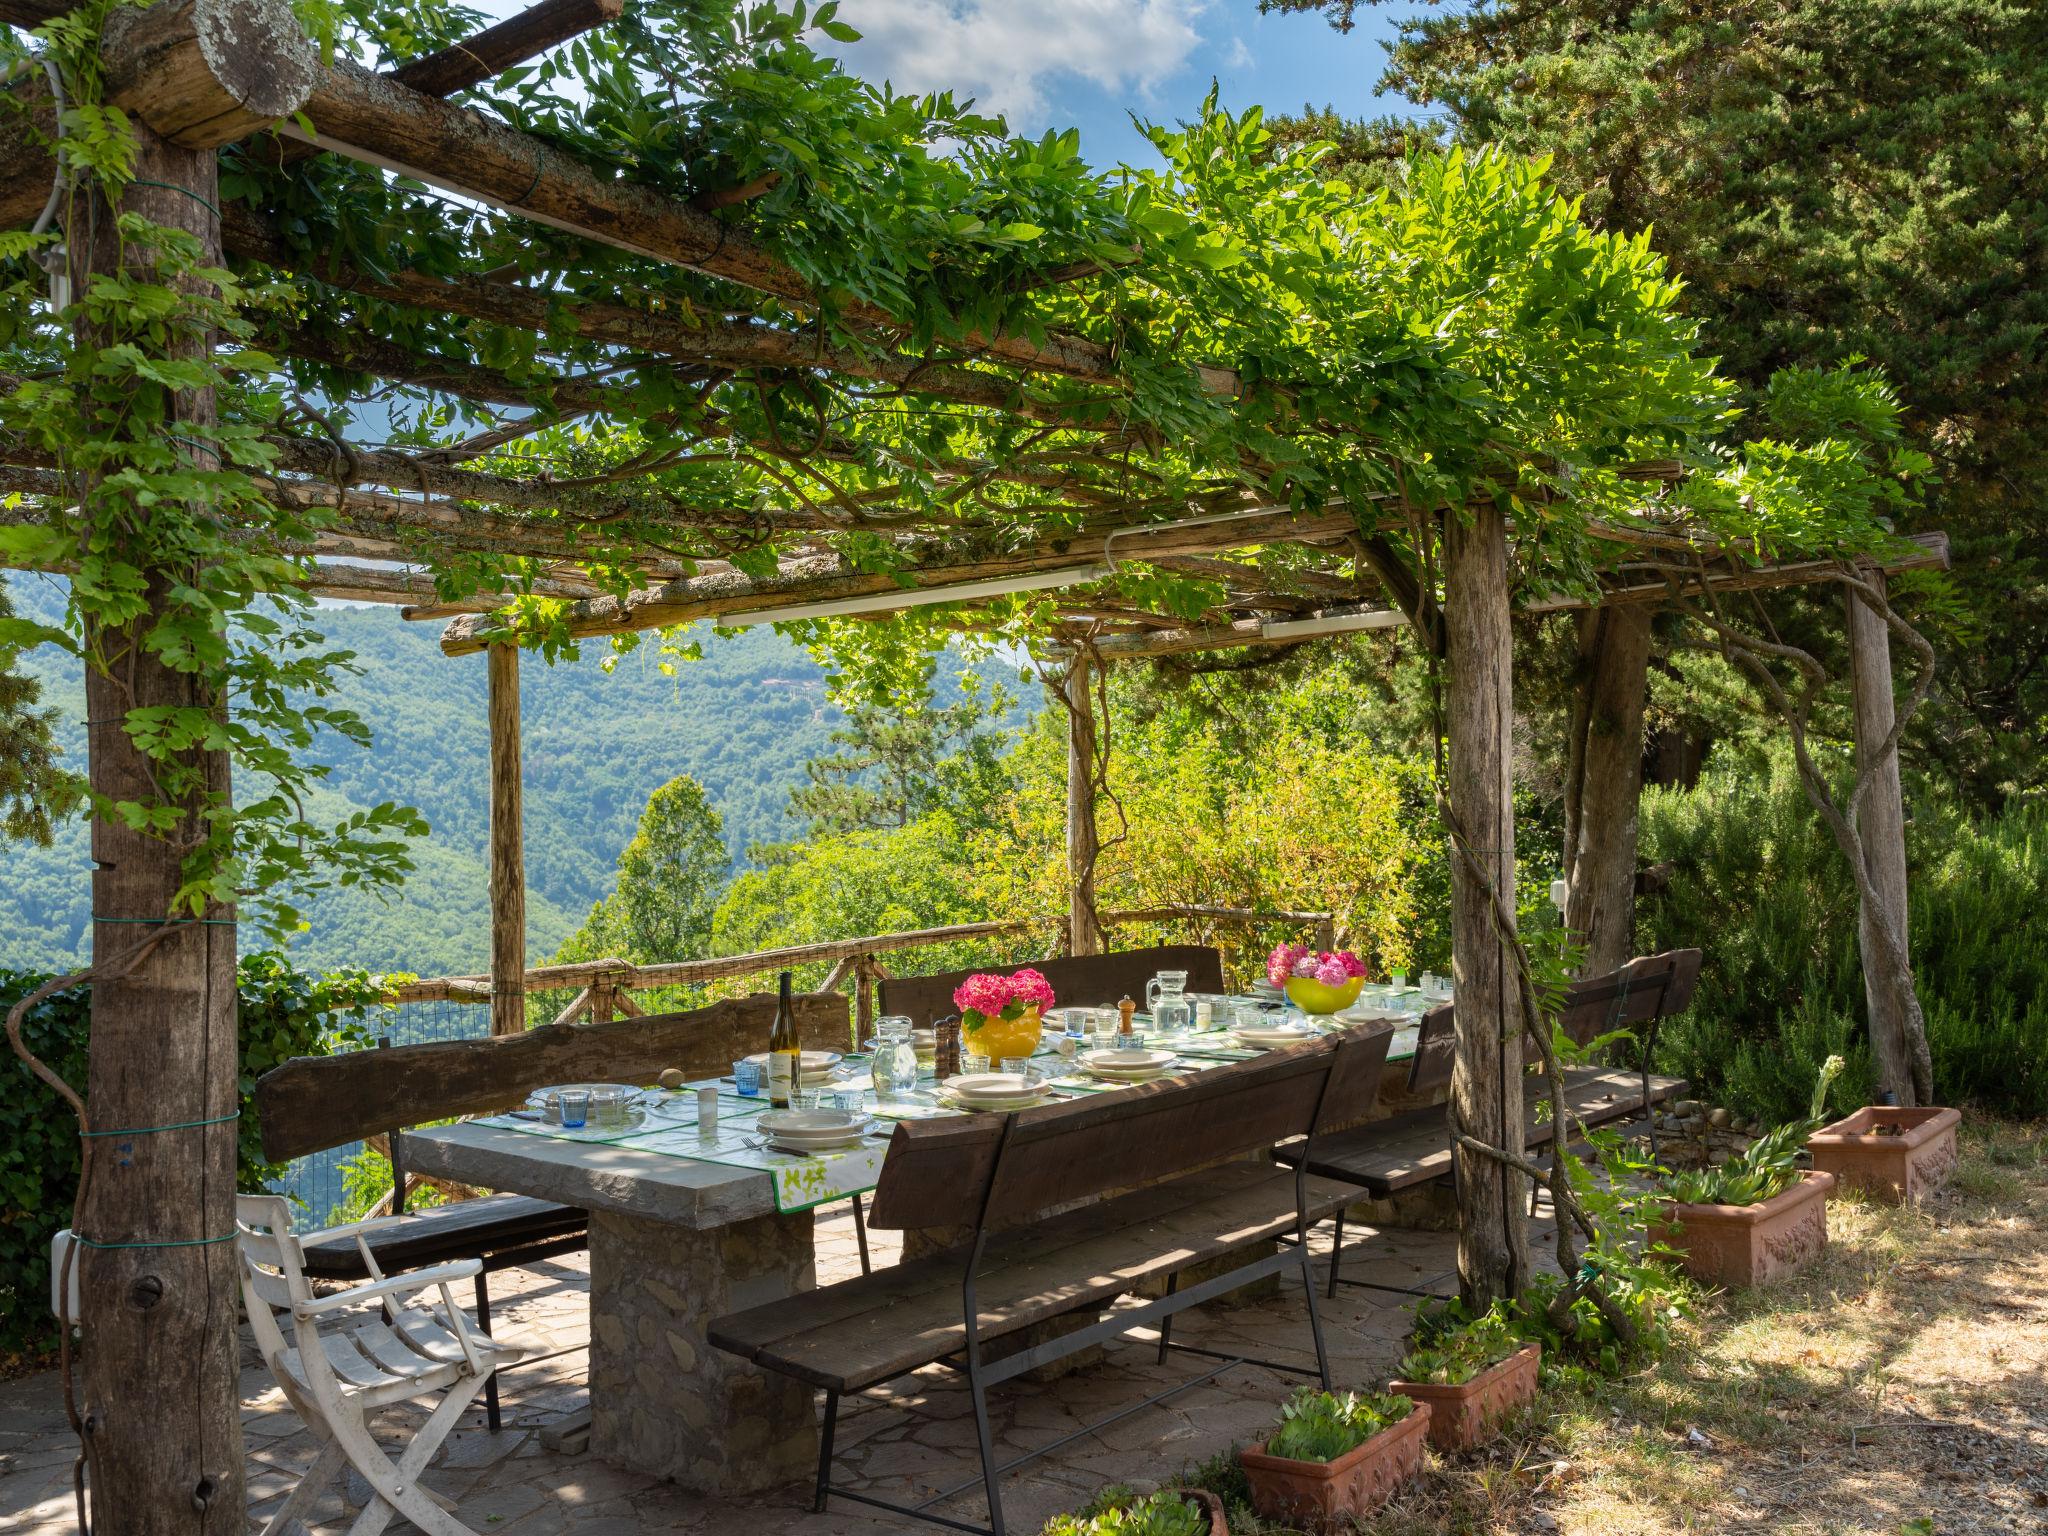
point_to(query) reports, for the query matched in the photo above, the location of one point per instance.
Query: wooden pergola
(1054, 483)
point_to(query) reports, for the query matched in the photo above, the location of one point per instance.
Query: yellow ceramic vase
(1312, 996)
(1002, 1039)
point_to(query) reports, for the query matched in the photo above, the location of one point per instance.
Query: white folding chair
(340, 1363)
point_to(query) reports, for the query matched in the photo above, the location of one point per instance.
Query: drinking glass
(1102, 1023)
(1018, 1066)
(575, 1103)
(747, 1075)
(972, 1062)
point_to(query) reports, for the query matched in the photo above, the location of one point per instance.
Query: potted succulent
(1472, 1378)
(1335, 1456)
(1318, 982)
(999, 1015)
(1120, 1511)
(1756, 1217)
(1891, 1154)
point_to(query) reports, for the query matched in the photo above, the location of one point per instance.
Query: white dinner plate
(812, 1065)
(977, 1086)
(1270, 1036)
(1127, 1060)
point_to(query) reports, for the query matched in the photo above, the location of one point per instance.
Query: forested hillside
(742, 722)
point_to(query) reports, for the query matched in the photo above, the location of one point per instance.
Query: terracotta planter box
(1897, 1155)
(1465, 1415)
(1219, 1523)
(1737, 1245)
(1322, 1494)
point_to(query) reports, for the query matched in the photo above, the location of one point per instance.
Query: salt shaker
(707, 1110)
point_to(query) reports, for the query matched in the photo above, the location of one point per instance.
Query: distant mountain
(743, 721)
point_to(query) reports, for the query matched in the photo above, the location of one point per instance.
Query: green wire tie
(151, 1130)
(202, 202)
(176, 1242)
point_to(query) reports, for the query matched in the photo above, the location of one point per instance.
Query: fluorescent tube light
(1332, 624)
(917, 597)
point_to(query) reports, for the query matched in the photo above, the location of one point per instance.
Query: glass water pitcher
(1166, 1000)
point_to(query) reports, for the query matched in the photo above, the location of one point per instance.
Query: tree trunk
(1486, 1082)
(1898, 1034)
(508, 854)
(159, 1291)
(1602, 797)
(1084, 923)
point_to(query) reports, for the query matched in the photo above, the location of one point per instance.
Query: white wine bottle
(785, 1051)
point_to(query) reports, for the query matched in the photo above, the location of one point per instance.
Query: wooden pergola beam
(952, 562)
(508, 848)
(1932, 555)
(497, 48)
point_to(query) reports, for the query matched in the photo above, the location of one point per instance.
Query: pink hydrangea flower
(983, 994)
(1331, 973)
(1030, 986)
(1353, 966)
(1280, 963)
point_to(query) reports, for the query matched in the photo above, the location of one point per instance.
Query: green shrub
(284, 1013)
(1321, 1426)
(1760, 886)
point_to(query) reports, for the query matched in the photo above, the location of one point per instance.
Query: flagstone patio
(916, 1440)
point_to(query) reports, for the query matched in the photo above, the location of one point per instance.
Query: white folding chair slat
(391, 1349)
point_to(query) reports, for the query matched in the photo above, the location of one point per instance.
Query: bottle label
(778, 1077)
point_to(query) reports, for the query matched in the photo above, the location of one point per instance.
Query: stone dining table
(677, 1239)
(674, 1243)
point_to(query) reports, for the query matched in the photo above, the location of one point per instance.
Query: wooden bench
(1389, 1157)
(312, 1103)
(1081, 981)
(1170, 1157)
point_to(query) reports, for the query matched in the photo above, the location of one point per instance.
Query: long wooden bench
(1083, 981)
(314, 1102)
(1171, 1159)
(1389, 1157)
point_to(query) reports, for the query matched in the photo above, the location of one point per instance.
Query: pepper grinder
(1124, 1009)
(946, 1058)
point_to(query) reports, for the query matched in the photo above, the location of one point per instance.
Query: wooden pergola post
(508, 854)
(1486, 1081)
(1898, 1034)
(156, 1262)
(1084, 923)
(1604, 783)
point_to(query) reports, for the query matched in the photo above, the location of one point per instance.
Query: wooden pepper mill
(1124, 1009)
(946, 1057)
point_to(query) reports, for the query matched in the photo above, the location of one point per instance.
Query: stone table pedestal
(662, 1400)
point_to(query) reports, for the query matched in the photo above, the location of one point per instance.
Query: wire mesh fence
(315, 1182)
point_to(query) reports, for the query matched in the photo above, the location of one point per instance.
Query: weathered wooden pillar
(1486, 1082)
(1605, 783)
(1898, 1033)
(508, 853)
(1084, 923)
(156, 1219)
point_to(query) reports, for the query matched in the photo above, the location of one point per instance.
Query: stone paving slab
(904, 1442)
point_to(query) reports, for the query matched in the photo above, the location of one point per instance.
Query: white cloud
(1008, 56)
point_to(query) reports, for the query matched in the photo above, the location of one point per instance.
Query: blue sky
(1091, 63)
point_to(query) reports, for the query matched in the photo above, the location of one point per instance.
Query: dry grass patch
(1898, 1387)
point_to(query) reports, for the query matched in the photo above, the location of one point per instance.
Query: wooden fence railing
(604, 988)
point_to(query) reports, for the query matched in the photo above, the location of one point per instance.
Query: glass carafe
(894, 1066)
(1166, 1000)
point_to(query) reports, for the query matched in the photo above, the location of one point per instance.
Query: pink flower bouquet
(1316, 981)
(999, 1015)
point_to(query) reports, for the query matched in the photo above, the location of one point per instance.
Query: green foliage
(670, 876)
(31, 784)
(1321, 1426)
(366, 1180)
(283, 1013)
(1767, 1166)
(1829, 182)
(1119, 1511)
(903, 761)
(1763, 891)
(1459, 1350)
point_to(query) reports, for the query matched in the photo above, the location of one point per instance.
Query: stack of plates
(1119, 1066)
(813, 1070)
(1268, 1037)
(994, 1091)
(813, 1130)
